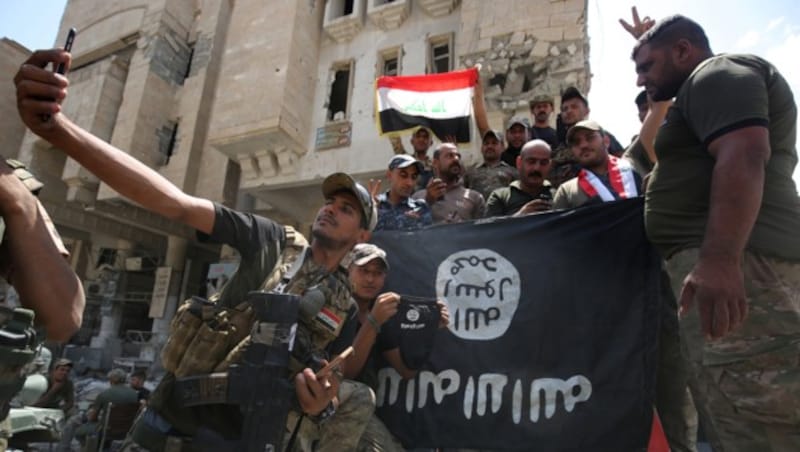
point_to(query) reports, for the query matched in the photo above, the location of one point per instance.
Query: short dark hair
(573, 93)
(139, 373)
(641, 98)
(669, 30)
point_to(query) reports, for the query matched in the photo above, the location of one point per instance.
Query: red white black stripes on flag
(440, 102)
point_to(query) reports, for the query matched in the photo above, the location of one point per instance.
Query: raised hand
(39, 91)
(639, 26)
(374, 187)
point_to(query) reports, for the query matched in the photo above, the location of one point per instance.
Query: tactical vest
(18, 346)
(208, 336)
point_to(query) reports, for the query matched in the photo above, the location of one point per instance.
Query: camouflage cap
(587, 124)
(541, 99)
(364, 253)
(493, 133)
(337, 182)
(518, 119)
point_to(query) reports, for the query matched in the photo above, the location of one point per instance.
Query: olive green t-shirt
(723, 94)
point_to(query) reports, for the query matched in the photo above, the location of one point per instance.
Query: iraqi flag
(440, 102)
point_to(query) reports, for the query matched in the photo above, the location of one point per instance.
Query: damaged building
(250, 103)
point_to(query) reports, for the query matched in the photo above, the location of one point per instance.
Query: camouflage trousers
(673, 397)
(343, 430)
(377, 438)
(746, 386)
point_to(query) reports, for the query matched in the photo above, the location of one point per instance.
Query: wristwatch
(324, 415)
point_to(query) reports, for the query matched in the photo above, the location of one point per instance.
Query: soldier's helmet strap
(291, 272)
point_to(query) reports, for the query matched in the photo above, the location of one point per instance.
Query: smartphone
(68, 47)
(335, 363)
(60, 68)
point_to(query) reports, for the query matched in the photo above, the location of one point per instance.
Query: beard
(672, 82)
(327, 242)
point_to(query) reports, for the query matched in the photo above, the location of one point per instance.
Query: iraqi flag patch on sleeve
(329, 319)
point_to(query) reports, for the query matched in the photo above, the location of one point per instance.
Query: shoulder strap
(287, 277)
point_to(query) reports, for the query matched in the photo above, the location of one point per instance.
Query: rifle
(258, 384)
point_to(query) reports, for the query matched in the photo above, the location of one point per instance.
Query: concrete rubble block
(492, 91)
(500, 65)
(554, 51)
(513, 86)
(517, 38)
(541, 49)
(571, 49)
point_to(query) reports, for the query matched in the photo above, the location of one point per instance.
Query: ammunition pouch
(228, 361)
(18, 346)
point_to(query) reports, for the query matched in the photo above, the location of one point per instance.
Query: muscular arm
(716, 283)
(34, 258)
(737, 185)
(128, 176)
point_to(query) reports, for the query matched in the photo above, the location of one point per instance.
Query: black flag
(552, 336)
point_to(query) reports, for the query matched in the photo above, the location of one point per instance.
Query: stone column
(107, 338)
(176, 259)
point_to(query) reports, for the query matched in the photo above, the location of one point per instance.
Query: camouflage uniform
(753, 373)
(268, 251)
(377, 438)
(485, 179)
(564, 165)
(344, 429)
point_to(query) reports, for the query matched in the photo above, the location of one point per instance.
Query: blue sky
(770, 29)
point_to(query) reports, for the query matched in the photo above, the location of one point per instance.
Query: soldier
(450, 201)
(723, 209)
(32, 261)
(396, 208)
(602, 177)
(421, 141)
(605, 178)
(532, 192)
(574, 109)
(541, 109)
(368, 270)
(493, 173)
(273, 257)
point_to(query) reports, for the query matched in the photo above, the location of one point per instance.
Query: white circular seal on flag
(412, 315)
(481, 289)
